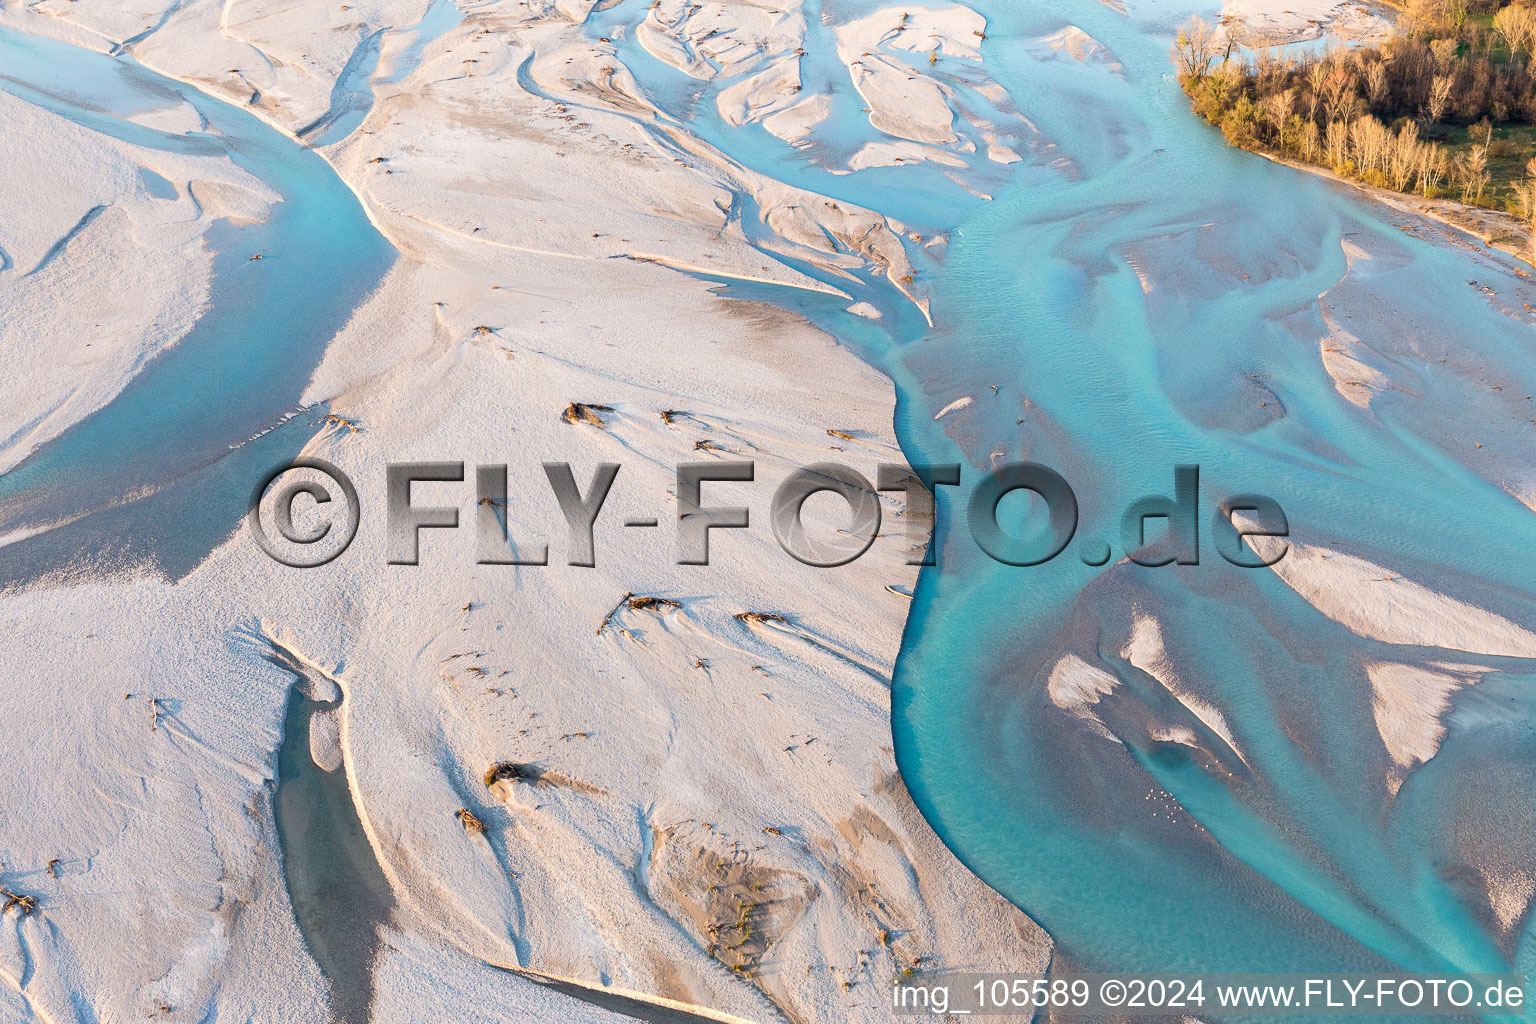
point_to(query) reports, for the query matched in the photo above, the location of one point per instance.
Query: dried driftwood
(641, 604)
(585, 412)
(614, 611)
(25, 904)
(760, 618)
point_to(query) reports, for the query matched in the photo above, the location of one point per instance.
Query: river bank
(1496, 230)
(1438, 114)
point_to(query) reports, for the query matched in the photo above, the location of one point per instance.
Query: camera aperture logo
(324, 499)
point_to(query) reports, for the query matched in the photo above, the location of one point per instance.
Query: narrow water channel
(338, 891)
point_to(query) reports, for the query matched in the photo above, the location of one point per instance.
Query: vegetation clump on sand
(508, 771)
(1447, 108)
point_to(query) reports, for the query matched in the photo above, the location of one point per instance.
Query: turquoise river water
(1140, 296)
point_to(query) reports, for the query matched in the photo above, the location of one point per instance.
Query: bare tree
(1376, 83)
(1525, 195)
(1431, 167)
(1195, 48)
(1370, 142)
(1404, 157)
(1475, 175)
(1455, 14)
(1339, 97)
(1311, 144)
(1513, 24)
(1277, 108)
(1439, 97)
(1444, 53)
(1338, 144)
(1418, 16)
(1317, 73)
